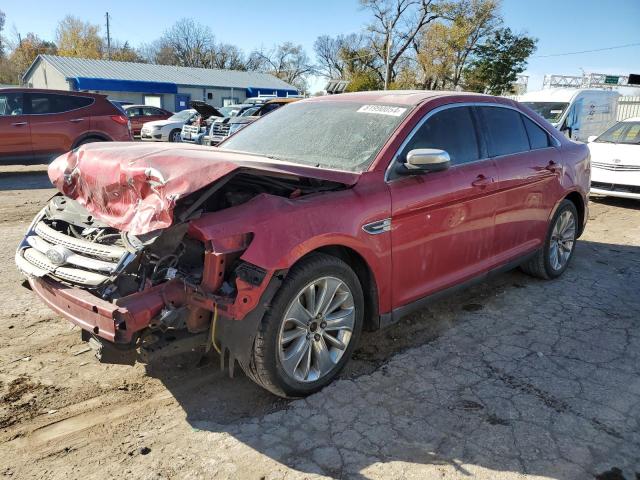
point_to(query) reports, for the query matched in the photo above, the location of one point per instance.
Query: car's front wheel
(553, 259)
(309, 333)
(174, 136)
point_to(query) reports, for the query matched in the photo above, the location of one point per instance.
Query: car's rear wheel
(553, 259)
(309, 333)
(174, 136)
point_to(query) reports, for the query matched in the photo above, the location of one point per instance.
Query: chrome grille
(616, 167)
(46, 251)
(220, 129)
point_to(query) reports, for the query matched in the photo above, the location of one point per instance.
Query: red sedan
(333, 214)
(141, 114)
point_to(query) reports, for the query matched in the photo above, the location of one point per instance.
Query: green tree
(498, 62)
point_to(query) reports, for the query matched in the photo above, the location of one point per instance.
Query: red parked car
(38, 125)
(141, 114)
(334, 214)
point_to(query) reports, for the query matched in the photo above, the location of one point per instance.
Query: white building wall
(45, 76)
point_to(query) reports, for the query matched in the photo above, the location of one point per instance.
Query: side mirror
(427, 160)
(592, 138)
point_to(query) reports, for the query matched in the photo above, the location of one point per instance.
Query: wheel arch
(364, 273)
(88, 135)
(577, 199)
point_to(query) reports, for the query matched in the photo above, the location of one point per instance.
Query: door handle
(553, 167)
(76, 120)
(481, 181)
(19, 124)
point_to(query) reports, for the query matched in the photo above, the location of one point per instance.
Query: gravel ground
(514, 378)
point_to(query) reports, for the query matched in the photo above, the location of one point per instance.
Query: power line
(587, 51)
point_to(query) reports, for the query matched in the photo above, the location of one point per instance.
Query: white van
(577, 112)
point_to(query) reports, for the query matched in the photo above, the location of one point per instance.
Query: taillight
(121, 119)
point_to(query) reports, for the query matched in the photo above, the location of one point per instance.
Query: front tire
(553, 259)
(174, 136)
(311, 329)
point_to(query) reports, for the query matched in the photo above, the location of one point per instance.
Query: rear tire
(554, 257)
(311, 329)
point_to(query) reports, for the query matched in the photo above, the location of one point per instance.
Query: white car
(615, 160)
(167, 130)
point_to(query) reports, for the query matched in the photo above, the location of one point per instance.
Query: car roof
(47, 90)
(397, 97)
(140, 106)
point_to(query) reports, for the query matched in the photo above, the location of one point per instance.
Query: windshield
(551, 111)
(623, 132)
(228, 111)
(182, 116)
(339, 135)
(249, 111)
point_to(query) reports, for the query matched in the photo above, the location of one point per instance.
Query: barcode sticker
(382, 110)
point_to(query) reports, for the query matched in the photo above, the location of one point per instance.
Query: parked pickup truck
(195, 130)
(331, 215)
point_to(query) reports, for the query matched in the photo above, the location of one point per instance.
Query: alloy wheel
(317, 329)
(563, 239)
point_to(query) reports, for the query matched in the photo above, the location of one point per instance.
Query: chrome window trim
(554, 141)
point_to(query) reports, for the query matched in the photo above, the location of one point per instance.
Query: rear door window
(505, 131)
(10, 104)
(451, 130)
(133, 112)
(150, 112)
(46, 103)
(538, 138)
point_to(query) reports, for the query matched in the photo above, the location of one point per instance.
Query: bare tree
(335, 56)
(2, 22)
(395, 25)
(187, 44)
(227, 56)
(286, 61)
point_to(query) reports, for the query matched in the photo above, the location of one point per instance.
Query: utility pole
(108, 37)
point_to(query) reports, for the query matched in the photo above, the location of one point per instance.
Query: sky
(561, 26)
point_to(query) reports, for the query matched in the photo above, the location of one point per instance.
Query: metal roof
(145, 72)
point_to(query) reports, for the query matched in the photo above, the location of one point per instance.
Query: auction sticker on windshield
(382, 110)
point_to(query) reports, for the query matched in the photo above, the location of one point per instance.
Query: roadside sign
(611, 79)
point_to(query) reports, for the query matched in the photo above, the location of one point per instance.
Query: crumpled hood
(134, 187)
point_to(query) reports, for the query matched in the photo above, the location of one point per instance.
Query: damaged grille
(46, 251)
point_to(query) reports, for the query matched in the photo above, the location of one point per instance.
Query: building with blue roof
(164, 86)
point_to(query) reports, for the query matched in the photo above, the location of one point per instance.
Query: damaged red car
(333, 215)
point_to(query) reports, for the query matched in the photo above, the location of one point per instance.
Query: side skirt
(394, 316)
